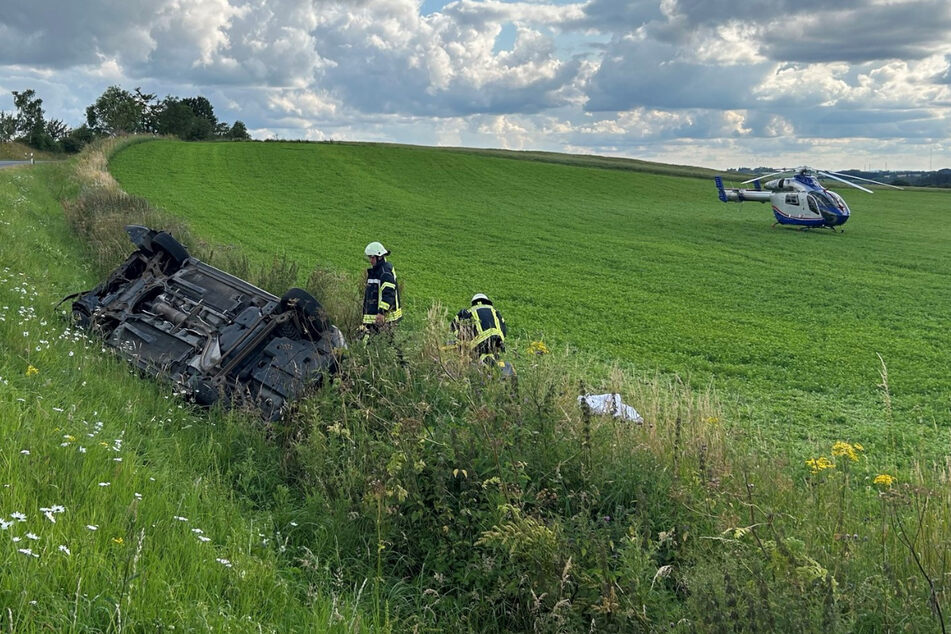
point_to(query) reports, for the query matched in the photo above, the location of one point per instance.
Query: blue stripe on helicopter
(791, 220)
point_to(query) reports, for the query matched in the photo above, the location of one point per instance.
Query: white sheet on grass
(612, 405)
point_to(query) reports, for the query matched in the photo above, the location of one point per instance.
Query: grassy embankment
(121, 508)
(13, 151)
(429, 496)
(645, 269)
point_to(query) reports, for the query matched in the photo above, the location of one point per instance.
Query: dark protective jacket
(381, 294)
(482, 328)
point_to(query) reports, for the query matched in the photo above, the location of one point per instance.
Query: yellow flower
(538, 347)
(845, 449)
(30, 370)
(820, 464)
(118, 540)
(884, 479)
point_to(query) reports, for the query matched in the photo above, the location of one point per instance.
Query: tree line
(116, 111)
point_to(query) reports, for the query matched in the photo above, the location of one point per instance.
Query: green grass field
(650, 270)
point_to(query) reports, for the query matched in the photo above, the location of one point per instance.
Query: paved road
(12, 163)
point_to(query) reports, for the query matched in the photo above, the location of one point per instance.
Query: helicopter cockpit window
(817, 200)
(792, 199)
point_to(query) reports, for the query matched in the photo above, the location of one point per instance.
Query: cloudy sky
(849, 84)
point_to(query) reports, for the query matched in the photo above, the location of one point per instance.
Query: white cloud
(699, 79)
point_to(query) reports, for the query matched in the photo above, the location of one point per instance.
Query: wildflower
(538, 347)
(202, 538)
(49, 516)
(64, 549)
(118, 540)
(846, 449)
(28, 552)
(16, 539)
(820, 464)
(884, 479)
(197, 531)
(138, 496)
(32, 536)
(82, 450)
(25, 452)
(104, 484)
(223, 562)
(293, 523)
(30, 370)
(92, 527)
(180, 518)
(20, 517)
(4, 525)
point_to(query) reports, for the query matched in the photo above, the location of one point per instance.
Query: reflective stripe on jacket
(482, 328)
(381, 294)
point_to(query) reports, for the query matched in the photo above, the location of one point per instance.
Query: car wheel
(308, 309)
(177, 254)
(82, 318)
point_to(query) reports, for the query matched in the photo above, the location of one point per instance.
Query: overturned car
(217, 337)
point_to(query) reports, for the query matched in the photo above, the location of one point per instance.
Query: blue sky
(853, 84)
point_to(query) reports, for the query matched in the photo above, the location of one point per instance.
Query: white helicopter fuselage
(798, 200)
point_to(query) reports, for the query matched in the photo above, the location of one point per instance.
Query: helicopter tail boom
(740, 195)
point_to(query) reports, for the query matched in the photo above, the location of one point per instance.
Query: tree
(117, 111)
(201, 129)
(239, 131)
(146, 101)
(205, 122)
(202, 108)
(30, 124)
(8, 127)
(57, 130)
(77, 139)
(173, 117)
(29, 112)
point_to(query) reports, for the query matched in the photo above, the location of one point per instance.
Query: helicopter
(798, 198)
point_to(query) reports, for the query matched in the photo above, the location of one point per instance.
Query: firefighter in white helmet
(381, 298)
(481, 329)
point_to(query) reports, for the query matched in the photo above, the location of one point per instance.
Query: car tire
(82, 318)
(177, 254)
(308, 309)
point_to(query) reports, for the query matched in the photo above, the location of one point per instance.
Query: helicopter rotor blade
(766, 176)
(830, 175)
(869, 180)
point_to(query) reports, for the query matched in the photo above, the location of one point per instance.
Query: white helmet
(480, 297)
(377, 249)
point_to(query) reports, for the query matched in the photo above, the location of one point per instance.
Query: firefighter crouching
(381, 299)
(481, 329)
